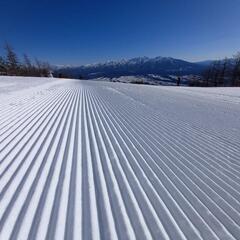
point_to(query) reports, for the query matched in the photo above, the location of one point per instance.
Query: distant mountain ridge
(134, 67)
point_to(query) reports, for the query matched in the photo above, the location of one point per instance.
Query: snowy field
(101, 160)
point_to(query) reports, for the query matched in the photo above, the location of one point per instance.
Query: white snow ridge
(102, 160)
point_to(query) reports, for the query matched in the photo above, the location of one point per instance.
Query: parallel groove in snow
(87, 160)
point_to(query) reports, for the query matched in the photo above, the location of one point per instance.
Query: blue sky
(89, 31)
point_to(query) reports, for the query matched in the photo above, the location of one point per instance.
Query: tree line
(11, 65)
(221, 73)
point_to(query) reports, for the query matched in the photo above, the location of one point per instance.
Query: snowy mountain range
(136, 66)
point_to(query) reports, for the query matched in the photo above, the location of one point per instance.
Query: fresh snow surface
(102, 160)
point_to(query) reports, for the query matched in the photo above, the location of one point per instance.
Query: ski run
(102, 160)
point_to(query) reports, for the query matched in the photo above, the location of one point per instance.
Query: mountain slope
(133, 67)
(100, 160)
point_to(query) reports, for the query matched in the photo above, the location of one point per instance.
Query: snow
(107, 160)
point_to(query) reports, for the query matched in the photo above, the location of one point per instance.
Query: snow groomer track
(99, 160)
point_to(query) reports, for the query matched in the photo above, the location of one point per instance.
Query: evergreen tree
(3, 69)
(12, 62)
(236, 70)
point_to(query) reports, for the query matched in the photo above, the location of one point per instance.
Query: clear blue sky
(88, 31)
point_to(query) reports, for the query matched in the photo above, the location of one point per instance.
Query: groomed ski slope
(99, 160)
